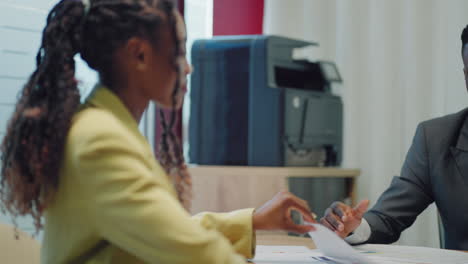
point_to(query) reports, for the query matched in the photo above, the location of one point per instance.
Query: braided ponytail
(33, 146)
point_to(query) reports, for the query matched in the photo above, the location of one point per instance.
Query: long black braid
(170, 150)
(32, 149)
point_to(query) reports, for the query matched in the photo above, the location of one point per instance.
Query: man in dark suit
(435, 170)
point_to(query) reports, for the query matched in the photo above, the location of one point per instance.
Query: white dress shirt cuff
(361, 234)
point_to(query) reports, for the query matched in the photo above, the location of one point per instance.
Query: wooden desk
(282, 239)
(271, 239)
(227, 188)
(278, 239)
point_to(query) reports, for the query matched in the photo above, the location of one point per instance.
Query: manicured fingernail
(343, 218)
(341, 227)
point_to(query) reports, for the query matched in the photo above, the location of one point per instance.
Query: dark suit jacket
(435, 170)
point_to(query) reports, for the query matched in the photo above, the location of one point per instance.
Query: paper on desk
(333, 250)
(390, 254)
(288, 254)
(333, 246)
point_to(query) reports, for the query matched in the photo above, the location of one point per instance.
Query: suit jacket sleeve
(135, 209)
(407, 196)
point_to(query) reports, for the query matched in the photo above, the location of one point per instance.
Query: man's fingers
(334, 220)
(361, 208)
(340, 210)
(340, 234)
(324, 222)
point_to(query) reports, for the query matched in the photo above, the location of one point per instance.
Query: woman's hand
(276, 214)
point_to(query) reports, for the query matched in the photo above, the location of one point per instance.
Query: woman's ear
(138, 50)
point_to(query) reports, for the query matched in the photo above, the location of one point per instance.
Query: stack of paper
(333, 246)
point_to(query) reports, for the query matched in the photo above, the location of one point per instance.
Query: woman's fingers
(301, 206)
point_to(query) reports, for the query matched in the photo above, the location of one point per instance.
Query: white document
(391, 254)
(336, 248)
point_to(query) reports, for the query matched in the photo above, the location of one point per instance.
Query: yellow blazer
(115, 204)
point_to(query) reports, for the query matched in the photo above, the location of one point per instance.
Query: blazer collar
(103, 97)
(462, 142)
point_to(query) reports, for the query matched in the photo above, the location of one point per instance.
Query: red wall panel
(237, 17)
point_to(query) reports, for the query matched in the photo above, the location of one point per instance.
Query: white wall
(199, 20)
(401, 64)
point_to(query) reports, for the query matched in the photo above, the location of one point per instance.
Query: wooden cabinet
(227, 188)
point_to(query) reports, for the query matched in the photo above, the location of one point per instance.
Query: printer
(251, 103)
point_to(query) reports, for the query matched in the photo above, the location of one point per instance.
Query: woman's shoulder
(95, 119)
(94, 123)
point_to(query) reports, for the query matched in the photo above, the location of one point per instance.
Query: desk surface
(276, 239)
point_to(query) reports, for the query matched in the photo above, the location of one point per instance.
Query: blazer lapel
(460, 152)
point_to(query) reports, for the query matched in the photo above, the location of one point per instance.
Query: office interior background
(400, 61)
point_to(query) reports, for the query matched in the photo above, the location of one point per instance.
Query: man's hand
(276, 214)
(342, 219)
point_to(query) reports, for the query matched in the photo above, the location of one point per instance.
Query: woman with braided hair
(86, 169)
